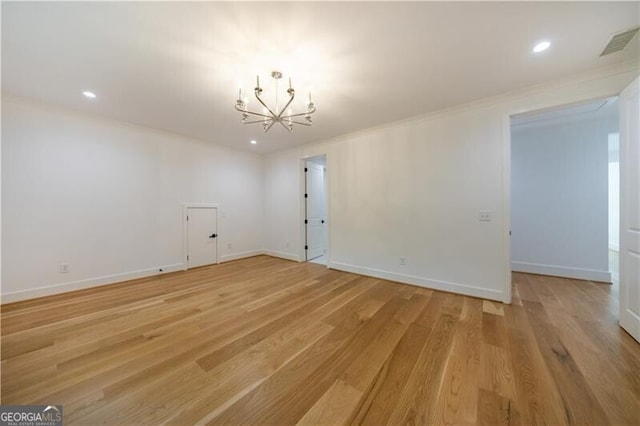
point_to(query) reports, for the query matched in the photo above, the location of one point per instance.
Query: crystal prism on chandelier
(269, 116)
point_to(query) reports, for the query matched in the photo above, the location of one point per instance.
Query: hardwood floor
(269, 341)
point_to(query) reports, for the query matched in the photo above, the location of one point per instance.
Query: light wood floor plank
(378, 405)
(416, 404)
(538, 399)
(580, 404)
(334, 407)
(458, 395)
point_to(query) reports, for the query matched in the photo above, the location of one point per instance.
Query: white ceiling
(177, 66)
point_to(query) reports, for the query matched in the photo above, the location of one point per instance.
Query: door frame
(506, 177)
(302, 253)
(185, 229)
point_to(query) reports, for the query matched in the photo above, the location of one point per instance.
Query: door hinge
(306, 247)
(306, 221)
(306, 170)
(306, 195)
(187, 218)
(187, 257)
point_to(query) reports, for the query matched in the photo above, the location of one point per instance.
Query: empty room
(320, 213)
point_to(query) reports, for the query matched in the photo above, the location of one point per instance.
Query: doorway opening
(564, 214)
(315, 209)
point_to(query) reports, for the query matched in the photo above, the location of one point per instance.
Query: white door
(630, 209)
(202, 236)
(316, 210)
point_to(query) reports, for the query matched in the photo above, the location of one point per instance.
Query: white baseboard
(562, 271)
(241, 255)
(87, 283)
(465, 289)
(282, 255)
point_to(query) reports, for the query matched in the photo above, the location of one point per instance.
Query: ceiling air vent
(619, 41)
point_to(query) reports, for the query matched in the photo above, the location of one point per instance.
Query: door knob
(322, 220)
(213, 235)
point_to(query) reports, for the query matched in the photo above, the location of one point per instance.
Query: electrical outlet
(230, 246)
(485, 216)
(286, 245)
(403, 261)
(64, 268)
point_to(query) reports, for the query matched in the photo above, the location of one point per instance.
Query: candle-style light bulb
(240, 93)
(257, 81)
(289, 82)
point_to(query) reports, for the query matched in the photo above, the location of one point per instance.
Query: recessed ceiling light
(89, 94)
(253, 142)
(543, 45)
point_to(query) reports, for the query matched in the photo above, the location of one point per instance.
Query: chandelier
(270, 116)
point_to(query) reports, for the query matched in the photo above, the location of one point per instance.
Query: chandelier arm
(265, 105)
(285, 117)
(259, 114)
(269, 126)
(300, 114)
(253, 113)
(291, 96)
(285, 126)
(256, 121)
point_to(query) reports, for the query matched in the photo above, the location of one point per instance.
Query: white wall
(414, 189)
(559, 197)
(106, 198)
